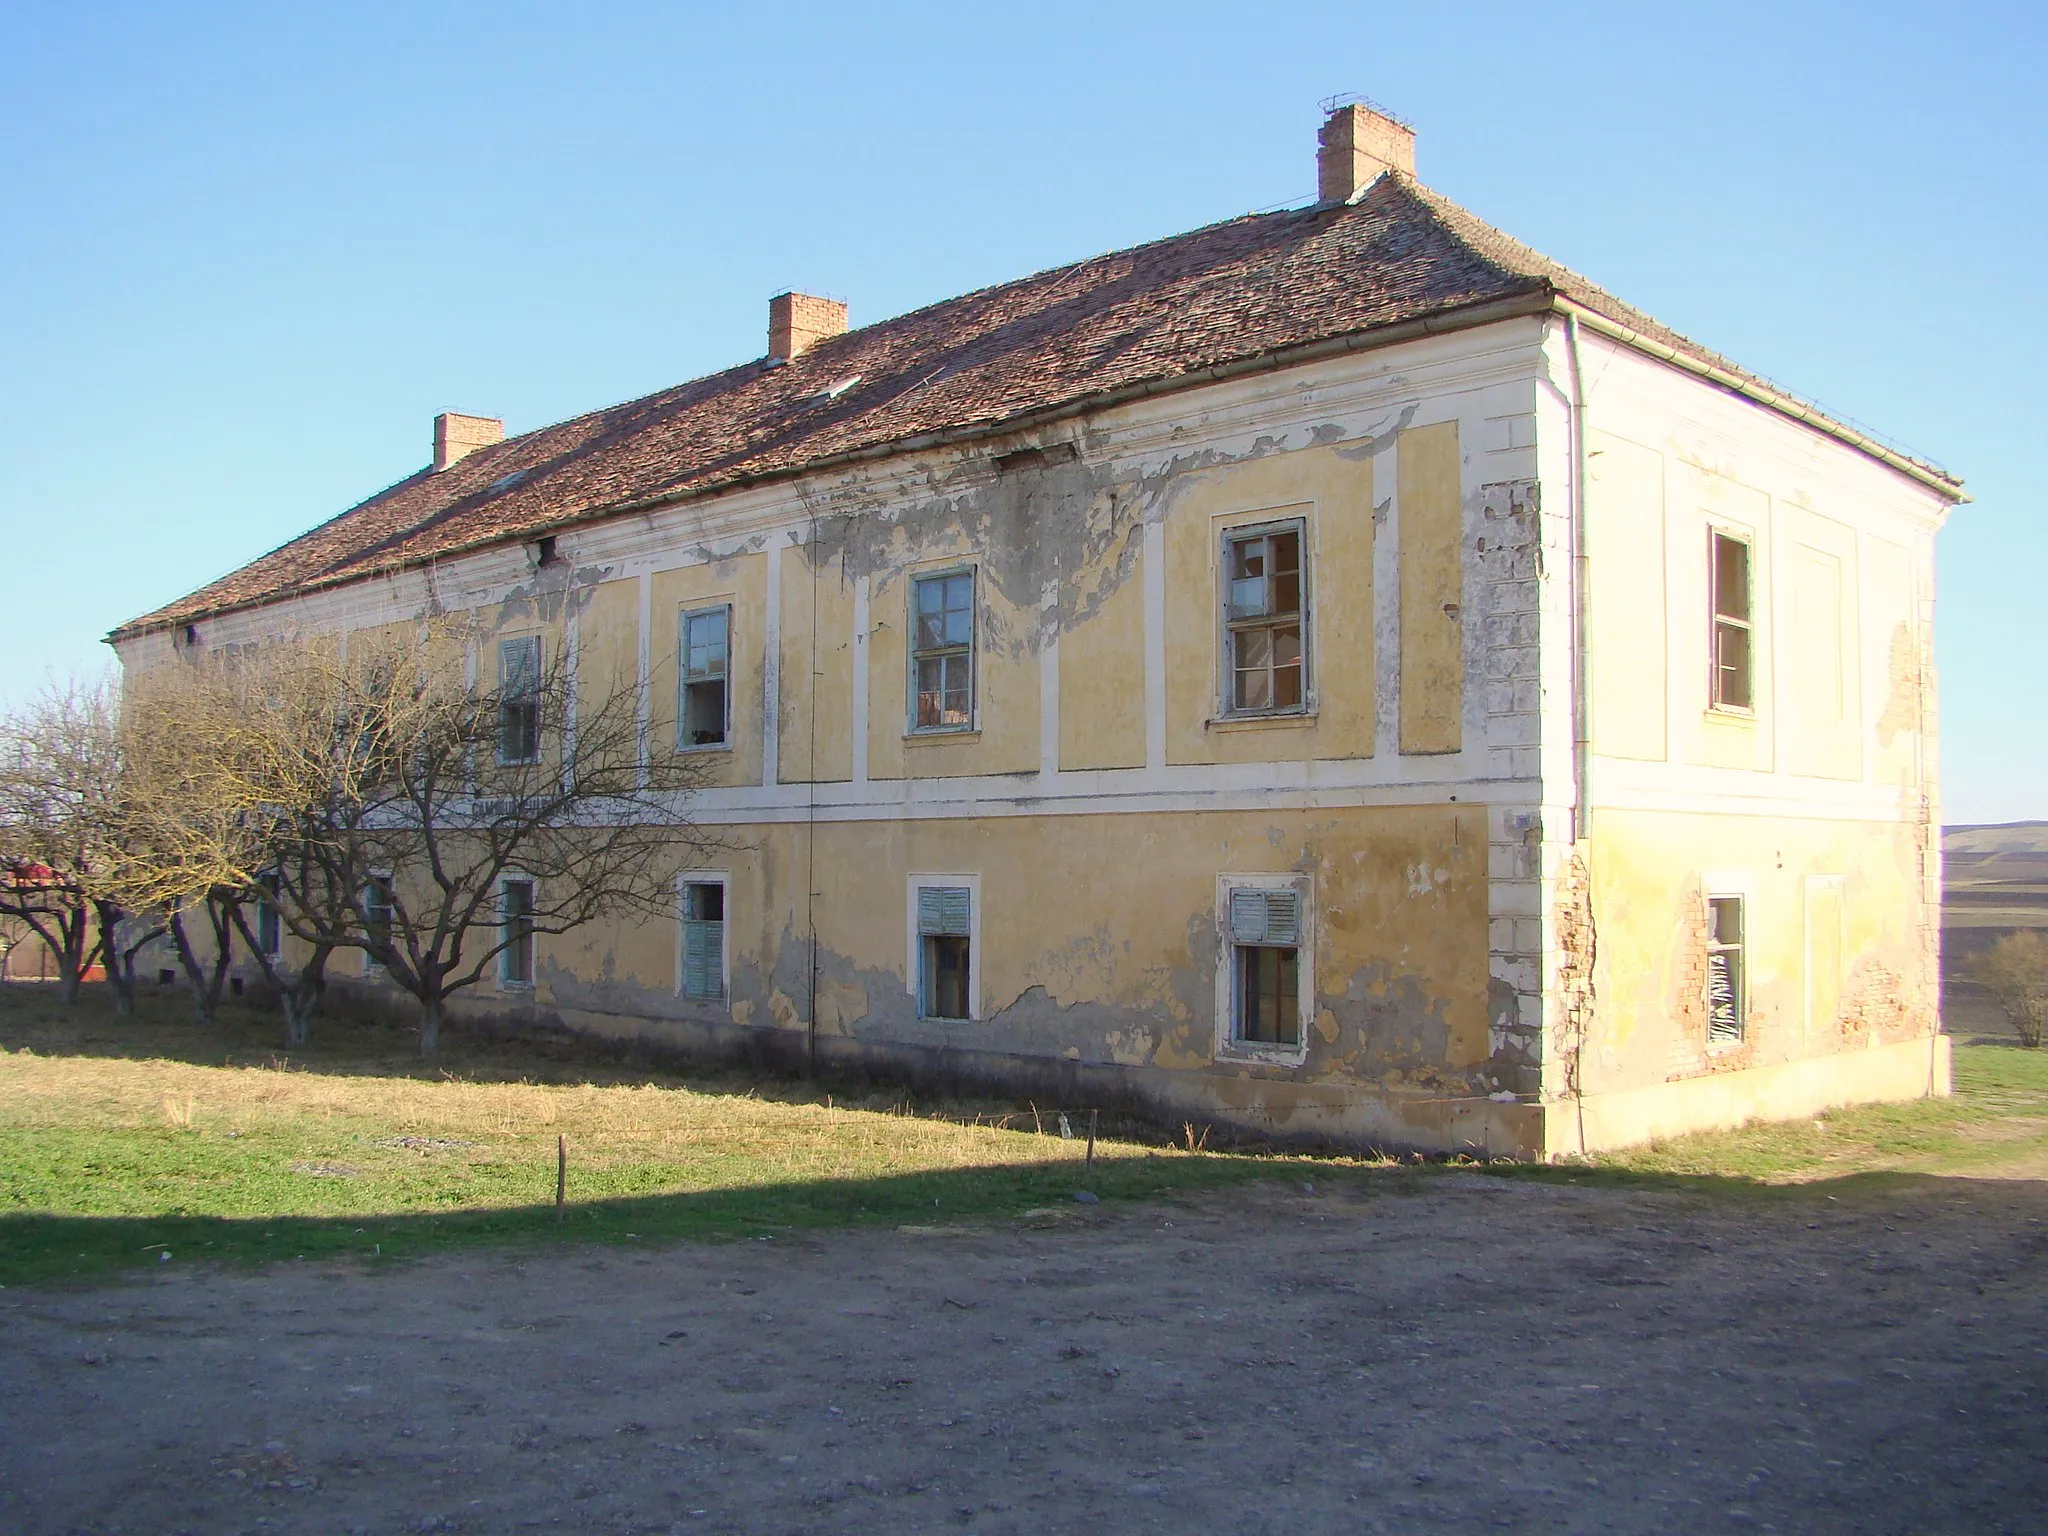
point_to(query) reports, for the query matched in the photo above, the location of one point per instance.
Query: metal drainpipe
(1582, 712)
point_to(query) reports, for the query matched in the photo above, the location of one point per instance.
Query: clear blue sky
(248, 252)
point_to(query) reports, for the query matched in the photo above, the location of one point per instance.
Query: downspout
(1582, 709)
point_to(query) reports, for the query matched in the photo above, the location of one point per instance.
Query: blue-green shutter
(703, 958)
(1265, 917)
(943, 911)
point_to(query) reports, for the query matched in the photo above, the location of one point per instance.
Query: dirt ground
(1478, 1354)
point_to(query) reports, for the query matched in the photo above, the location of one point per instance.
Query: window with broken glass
(1264, 614)
(1265, 981)
(942, 651)
(702, 713)
(519, 699)
(1727, 999)
(1734, 638)
(944, 939)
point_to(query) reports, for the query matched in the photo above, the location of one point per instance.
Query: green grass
(1994, 1126)
(123, 1140)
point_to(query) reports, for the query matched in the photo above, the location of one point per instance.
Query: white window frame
(1228, 1046)
(506, 981)
(940, 573)
(1250, 527)
(913, 946)
(683, 617)
(723, 879)
(1734, 533)
(370, 877)
(503, 698)
(1721, 885)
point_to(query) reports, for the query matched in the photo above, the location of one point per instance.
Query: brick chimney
(797, 322)
(1359, 141)
(457, 437)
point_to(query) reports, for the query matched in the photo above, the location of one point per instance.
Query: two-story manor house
(1335, 671)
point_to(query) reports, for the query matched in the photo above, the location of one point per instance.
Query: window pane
(945, 987)
(955, 707)
(1731, 578)
(1731, 666)
(931, 688)
(1286, 559)
(704, 650)
(1287, 687)
(1254, 690)
(959, 610)
(704, 713)
(1267, 1007)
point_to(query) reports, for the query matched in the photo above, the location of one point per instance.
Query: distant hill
(1997, 837)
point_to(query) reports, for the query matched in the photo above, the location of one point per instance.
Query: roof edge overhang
(1935, 479)
(1542, 299)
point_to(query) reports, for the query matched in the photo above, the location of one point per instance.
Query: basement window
(519, 699)
(1264, 609)
(1263, 983)
(942, 651)
(945, 924)
(1734, 682)
(702, 961)
(1727, 979)
(703, 717)
(515, 918)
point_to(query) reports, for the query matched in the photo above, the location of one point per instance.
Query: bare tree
(61, 835)
(382, 803)
(2015, 971)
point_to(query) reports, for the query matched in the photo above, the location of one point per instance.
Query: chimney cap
(1337, 103)
(1359, 142)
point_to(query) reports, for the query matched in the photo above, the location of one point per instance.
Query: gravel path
(1479, 1354)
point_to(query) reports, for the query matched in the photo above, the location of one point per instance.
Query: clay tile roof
(1147, 317)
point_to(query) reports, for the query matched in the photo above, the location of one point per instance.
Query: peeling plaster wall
(1487, 949)
(1818, 807)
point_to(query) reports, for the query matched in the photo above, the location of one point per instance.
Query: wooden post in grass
(561, 1177)
(1088, 1173)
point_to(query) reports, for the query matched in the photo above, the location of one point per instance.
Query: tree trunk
(220, 911)
(301, 1000)
(431, 1013)
(202, 1000)
(68, 976)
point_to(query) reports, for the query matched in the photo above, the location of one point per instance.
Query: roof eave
(1943, 484)
(1537, 301)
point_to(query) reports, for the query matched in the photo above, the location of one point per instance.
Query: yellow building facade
(1498, 735)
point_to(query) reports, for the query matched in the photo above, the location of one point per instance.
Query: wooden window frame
(371, 879)
(1718, 1037)
(684, 679)
(915, 949)
(1720, 623)
(723, 880)
(1230, 628)
(525, 702)
(971, 651)
(527, 946)
(1230, 1044)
